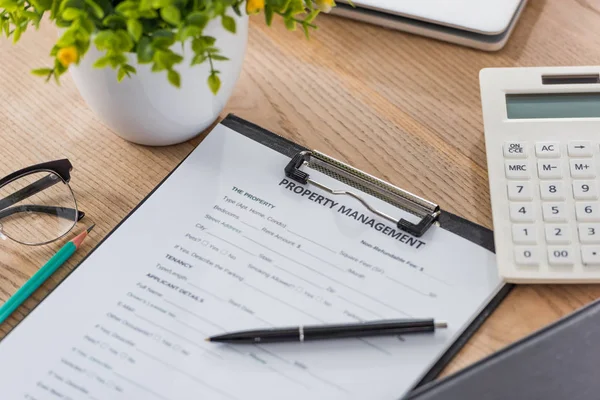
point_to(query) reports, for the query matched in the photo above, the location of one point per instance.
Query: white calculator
(542, 136)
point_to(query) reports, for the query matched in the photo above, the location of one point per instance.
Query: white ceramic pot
(146, 108)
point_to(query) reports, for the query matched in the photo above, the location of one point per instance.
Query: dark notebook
(561, 361)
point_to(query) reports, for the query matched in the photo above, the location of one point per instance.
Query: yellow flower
(67, 56)
(325, 5)
(255, 6)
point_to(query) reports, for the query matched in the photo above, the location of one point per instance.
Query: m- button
(549, 169)
(547, 149)
(516, 169)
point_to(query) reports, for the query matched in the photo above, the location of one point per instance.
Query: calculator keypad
(542, 210)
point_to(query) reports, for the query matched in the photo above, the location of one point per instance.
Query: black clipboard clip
(424, 209)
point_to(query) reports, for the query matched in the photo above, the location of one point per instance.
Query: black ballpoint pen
(335, 331)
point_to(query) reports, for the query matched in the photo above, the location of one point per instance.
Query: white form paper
(227, 244)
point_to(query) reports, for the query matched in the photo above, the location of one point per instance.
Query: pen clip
(426, 210)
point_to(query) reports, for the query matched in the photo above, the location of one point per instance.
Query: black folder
(559, 362)
(466, 229)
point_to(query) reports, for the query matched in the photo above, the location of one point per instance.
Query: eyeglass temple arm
(28, 191)
(67, 213)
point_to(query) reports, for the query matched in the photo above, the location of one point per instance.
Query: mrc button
(516, 169)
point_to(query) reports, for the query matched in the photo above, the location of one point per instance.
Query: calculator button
(554, 212)
(550, 169)
(522, 212)
(585, 190)
(582, 168)
(525, 255)
(590, 255)
(524, 233)
(589, 233)
(520, 191)
(547, 150)
(587, 211)
(561, 255)
(516, 169)
(580, 149)
(515, 150)
(558, 233)
(552, 191)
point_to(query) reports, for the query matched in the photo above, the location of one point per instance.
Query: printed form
(228, 243)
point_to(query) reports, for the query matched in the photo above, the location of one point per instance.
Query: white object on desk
(485, 25)
(542, 135)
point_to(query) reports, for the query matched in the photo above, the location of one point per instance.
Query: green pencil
(42, 275)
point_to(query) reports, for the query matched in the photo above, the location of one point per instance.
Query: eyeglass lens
(37, 208)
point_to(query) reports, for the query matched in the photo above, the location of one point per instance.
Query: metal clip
(426, 210)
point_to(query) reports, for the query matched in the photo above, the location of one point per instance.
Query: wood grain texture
(401, 107)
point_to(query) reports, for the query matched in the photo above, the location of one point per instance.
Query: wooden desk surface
(401, 107)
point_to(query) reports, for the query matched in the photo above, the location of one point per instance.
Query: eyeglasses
(37, 205)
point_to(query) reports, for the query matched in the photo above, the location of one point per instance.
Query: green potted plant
(157, 72)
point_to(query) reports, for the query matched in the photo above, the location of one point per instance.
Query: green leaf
(145, 52)
(228, 23)
(117, 60)
(115, 22)
(135, 29)
(41, 5)
(70, 14)
(174, 78)
(214, 83)
(17, 34)
(146, 5)
(124, 41)
(148, 14)
(125, 70)
(163, 39)
(98, 11)
(54, 9)
(104, 39)
(199, 59)
(102, 62)
(9, 5)
(42, 71)
(161, 3)
(217, 57)
(197, 19)
(306, 31)
(129, 69)
(290, 24)
(128, 9)
(171, 14)
(167, 59)
(88, 26)
(121, 74)
(269, 15)
(188, 32)
(201, 44)
(66, 40)
(311, 16)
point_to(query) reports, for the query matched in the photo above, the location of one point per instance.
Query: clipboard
(303, 160)
(430, 213)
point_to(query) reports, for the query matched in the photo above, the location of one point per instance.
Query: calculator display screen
(553, 105)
